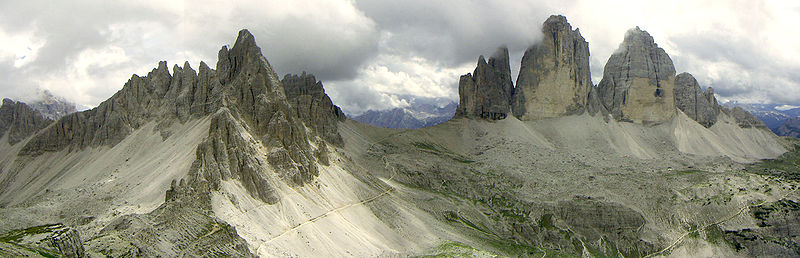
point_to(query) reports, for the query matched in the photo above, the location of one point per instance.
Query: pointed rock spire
(690, 98)
(554, 78)
(638, 80)
(486, 93)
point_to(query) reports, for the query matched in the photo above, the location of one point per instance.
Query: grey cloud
(456, 32)
(356, 98)
(742, 67)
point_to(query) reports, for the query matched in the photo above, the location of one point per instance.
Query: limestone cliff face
(554, 78)
(250, 112)
(311, 105)
(638, 80)
(486, 93)
(20, 121)
(698, 105)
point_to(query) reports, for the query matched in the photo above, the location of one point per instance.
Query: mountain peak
(554, 78)
(638, 37)
(486, 93)
(638, 80)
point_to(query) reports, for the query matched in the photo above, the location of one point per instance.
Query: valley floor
(575, 185)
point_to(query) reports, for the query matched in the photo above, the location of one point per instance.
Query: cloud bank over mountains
(367, 53)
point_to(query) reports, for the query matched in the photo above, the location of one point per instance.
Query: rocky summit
(486, 93)
(20, 121)
(554, 78)
(234, 161)
(638, 80)
(692, 100)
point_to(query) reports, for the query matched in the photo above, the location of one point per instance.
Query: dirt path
(723, 220)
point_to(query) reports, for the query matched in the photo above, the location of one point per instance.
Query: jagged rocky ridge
(258, 136)
(697, 104)
(20, 121)
(251, 112)
(639, 83)
(486, 93)
(554, 78)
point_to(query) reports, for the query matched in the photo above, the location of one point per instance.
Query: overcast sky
(369, 52)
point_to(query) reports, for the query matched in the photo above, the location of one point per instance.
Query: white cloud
(369, 52)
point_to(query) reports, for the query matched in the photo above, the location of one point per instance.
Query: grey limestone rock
(698, 105)
(52, 239)
(311, 105)
(638, 80)
(554, 78)
(20, 121)
(486, 93)
(743, 118)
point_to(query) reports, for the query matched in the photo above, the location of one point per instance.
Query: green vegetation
(426, 146)
(15, 238)
(17, 235)
(546, 222)
(693, 232)
(432, 149)
(786, 166)
(715, 235)
(688, 172)
(463, 160)
(456, 249)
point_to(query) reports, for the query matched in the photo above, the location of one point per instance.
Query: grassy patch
(17, 235)
(715, 235)
(688, 172)
(546, 222)
(463, 160)
(426, 146)
(786, 166)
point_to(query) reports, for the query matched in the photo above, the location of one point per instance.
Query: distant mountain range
(51, 106)
(421, 112)
(780, 118)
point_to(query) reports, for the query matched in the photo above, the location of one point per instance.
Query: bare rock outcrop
(743, 118)
(486, 93)
(554, 78)
(638, 80)
(20, 121)
(250, 112)
(698, 105)
(48, 240)
(312, 106)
